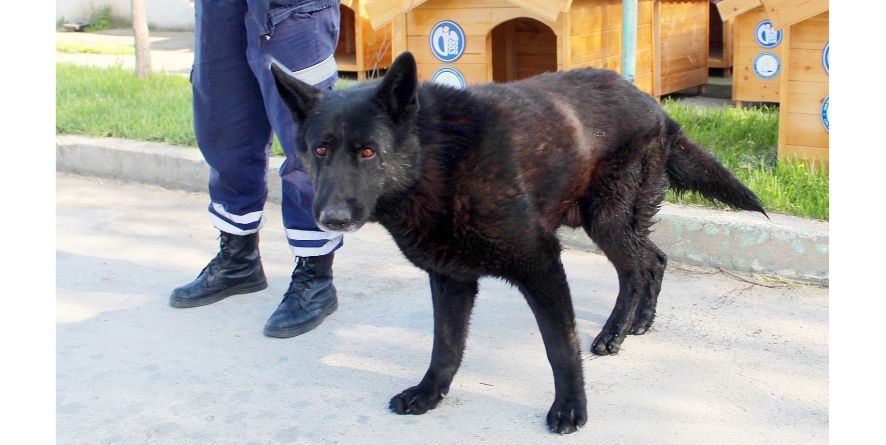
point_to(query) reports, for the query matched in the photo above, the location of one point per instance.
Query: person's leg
(234, 135)
(303, 42)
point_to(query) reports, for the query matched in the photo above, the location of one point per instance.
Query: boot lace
(223, 243)
(302, 277)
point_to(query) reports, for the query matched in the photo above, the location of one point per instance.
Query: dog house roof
(783, 13)
(381, 12)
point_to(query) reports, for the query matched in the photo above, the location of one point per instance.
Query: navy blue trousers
(237, 110)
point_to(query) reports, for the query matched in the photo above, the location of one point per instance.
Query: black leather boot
(236, 269)
(310, 299)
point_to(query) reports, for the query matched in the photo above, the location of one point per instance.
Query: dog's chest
(467, 256)
(462, 248)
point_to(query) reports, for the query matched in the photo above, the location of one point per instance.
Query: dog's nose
(336, 217)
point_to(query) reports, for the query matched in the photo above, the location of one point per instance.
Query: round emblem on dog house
(767, 65)
(449, 76)
(447, 41)
(825, 114)
(766, 34)
(824, 58)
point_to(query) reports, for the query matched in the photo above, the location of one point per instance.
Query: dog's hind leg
(656, 263)
(547, 292)
(652, 261)
(617, 216)
(453, 301)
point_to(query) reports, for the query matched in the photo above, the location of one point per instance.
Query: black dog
(475, 182)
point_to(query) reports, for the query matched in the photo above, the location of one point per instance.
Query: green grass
(86, 48)
(113, 103)
(344, 84)
(102, 20)
(746, 141)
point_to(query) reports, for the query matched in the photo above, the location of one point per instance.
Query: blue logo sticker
(825, 115)
(824, 58)
(447, 41)
(766, 34)
(767, 65)
(449, 76)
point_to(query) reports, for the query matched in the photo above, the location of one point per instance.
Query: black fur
(475, 182)
(690, 168)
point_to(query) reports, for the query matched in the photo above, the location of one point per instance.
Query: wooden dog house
(361, 49)
(801, 87)
(750, 84)
(503, 40)
(681, 32)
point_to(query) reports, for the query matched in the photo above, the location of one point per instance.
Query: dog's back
(572, 120)
(548, 136)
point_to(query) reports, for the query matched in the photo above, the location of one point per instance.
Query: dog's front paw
(567, 416)
(415, 400)
(608, 341)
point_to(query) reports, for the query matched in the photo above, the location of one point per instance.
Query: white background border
(27, 326)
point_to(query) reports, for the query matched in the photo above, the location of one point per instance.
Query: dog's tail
(691, 168)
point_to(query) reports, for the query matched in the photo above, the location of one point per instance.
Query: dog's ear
(298, 96)
(398, 92)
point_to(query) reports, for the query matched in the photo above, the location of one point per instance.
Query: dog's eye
(367, 152)
(320, 151)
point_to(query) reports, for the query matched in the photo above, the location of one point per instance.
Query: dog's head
(356, 144)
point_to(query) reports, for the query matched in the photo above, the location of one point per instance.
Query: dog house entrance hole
(346, 51)
(522, 48)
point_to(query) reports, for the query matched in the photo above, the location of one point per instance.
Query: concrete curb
(170, 166)
(786, 246)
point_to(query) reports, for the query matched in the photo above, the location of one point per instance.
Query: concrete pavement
(727, 361)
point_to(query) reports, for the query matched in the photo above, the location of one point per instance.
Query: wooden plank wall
(683, 32)
(595, 38)
(805, 86)
(746, 85)
(374, 41)
(476, 17)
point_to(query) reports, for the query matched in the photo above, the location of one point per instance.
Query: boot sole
(218, 296)
(303, 329)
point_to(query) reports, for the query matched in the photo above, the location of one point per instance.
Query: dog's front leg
(547, 292)
(453, 301)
